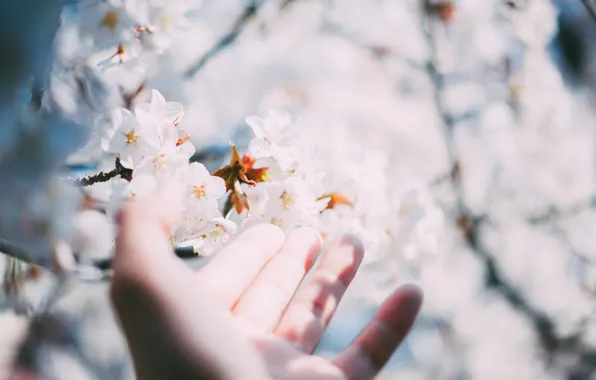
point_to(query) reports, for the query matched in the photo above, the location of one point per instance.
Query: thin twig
(378, 51)
(556, 212)
(248, 14)
(119, 170)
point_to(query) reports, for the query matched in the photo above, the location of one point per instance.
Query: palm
(285, 323)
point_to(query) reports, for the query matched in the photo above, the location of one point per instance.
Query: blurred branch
(379, 51)
(471, 224)
(590, 8)
(37, 91)
(445, 177)
(213, 154)
(245, 17)
(53, 330)
(9, 249)
(495, 280)
(583, 258)
(438, 80)
(555, 212)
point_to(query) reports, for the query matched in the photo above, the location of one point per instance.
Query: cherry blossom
(131, 140)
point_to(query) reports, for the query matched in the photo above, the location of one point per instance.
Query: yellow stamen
(287, 201)
(166, 22)
(199, 192)
(159, 161)
(131, 137)
(110, 20)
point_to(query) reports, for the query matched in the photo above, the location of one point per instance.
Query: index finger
(235, 268)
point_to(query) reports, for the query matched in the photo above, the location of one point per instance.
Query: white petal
(157, 101)
(256, 124)
(199, 172)
(215, 186)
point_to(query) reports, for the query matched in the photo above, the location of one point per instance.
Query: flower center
(199, 192)
(160, 161)
(218, 233)
(110, 20)
(277, 222)
(167, 22)
(131, 137)
(287, 201)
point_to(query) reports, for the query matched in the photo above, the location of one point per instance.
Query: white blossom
(131, 140)
(273, 136)
(202, 187)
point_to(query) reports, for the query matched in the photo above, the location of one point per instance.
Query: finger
(371, 350)
(265, 300)
(309, 313)
(145, 224)
(230, 273)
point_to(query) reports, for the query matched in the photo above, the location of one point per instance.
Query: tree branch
(555, 212)
(471, 224)
(229, 38)
(119, 170)
(12, 250)
(378, 51)
(589, 8)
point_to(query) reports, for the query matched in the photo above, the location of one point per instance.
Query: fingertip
(355, 246)
(353, 241)
(304, 240)
(401, 308)
(412, 293)
(162, 206)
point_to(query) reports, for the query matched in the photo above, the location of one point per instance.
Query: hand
(241, 316)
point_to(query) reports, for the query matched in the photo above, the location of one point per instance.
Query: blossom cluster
(282, 179)
(151, 145)
(131, 26)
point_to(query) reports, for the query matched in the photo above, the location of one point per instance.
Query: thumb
(145, 225)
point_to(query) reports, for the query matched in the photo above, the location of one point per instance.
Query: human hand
(243, 316)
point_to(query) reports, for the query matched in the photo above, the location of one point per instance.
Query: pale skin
(242, 316)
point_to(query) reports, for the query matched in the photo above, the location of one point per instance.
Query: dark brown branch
(119, 170)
